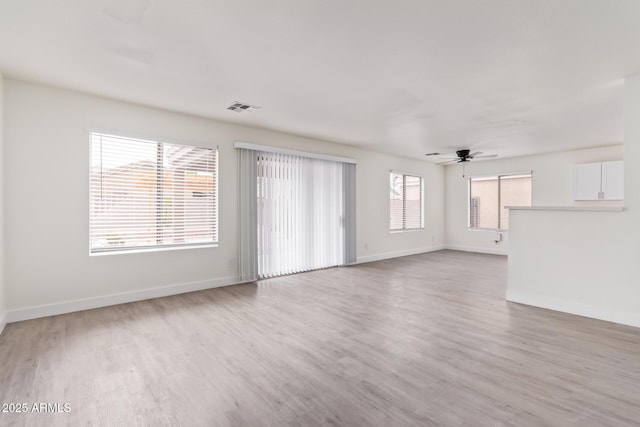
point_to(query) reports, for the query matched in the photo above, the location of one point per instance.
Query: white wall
(49, 269)
(577, 262)
(552, 186)
(584, 263)
(3, 306)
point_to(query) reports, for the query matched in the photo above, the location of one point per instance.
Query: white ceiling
(406, 76)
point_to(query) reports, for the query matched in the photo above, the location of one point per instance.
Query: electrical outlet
(366, 246)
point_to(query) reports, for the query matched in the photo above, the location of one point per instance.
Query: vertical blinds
(406, 202)
(300, 213)
(488, 197)
(297, 212)
(149, 194)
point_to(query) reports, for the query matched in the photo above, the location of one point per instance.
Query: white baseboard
(478, 249)
(35, 312)
(388, 255)
(556, 304)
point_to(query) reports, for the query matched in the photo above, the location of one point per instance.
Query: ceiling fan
(463, 156)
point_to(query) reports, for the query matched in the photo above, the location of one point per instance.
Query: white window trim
(492, 175)
(422, 213)
(510, 173)
(145, 249)
(166, 247)
(268, 149)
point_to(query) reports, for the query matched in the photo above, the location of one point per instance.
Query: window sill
(146, 250)
(489, 230)
(407, 230)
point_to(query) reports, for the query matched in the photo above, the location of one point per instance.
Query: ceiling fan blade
(447, 162)
(477, 153)
(486, 156)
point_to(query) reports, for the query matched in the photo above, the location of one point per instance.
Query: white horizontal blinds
(299, 214)
(396, 201)
(490, 195)
(412, 202)
(406, 202)
(484, 202)
(147, 194)
(515, 190)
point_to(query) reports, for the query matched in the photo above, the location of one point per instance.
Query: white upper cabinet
(613, 180)
(587, 181)
(599, 181)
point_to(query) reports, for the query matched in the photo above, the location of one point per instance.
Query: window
(406, 202)
(489, 195)
(148, 194)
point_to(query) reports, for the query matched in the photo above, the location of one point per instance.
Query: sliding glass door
(297, 213)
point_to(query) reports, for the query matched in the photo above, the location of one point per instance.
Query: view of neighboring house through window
(406, 203)
(488, 196)
(147, 194)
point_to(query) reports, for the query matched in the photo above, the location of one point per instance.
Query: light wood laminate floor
(424, 340)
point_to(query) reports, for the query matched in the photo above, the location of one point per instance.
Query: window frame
(499, 178)
(95, 251)
(404, 219)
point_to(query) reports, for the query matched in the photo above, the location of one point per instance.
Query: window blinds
(300, 214)
(147, 194)
(515, 190)
(297, 211)
(406, 202)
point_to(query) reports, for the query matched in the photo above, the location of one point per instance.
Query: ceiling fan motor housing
(463, 154)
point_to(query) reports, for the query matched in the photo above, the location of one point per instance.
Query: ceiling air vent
(240, 107)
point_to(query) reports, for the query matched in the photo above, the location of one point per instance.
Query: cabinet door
(613, 180)
(586, 181)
